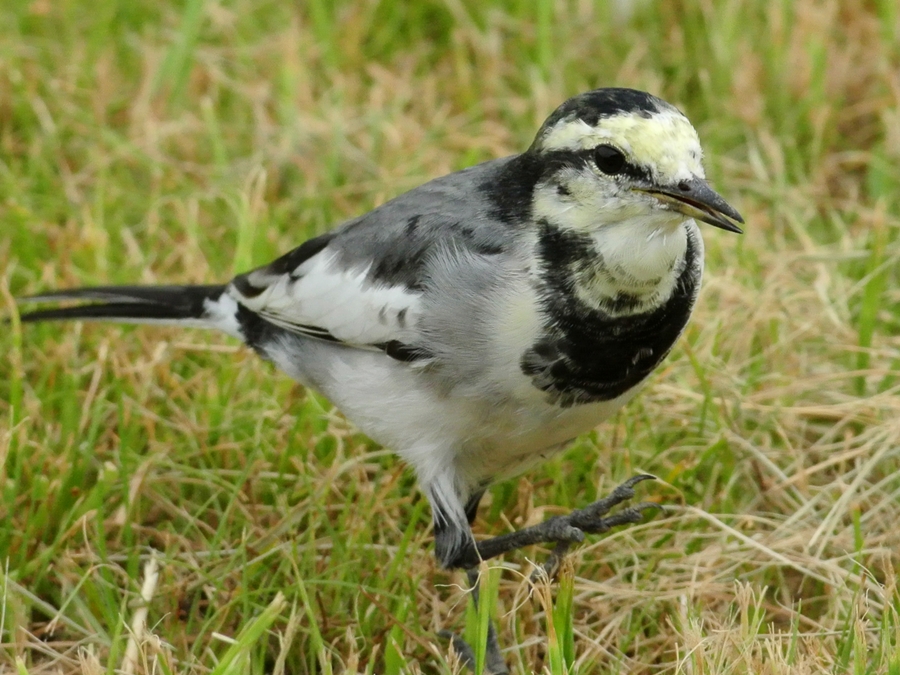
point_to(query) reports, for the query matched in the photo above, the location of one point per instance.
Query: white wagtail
(477, 323)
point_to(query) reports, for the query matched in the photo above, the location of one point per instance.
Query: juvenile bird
(477, 323)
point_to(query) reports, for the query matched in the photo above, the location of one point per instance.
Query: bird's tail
(194, 306)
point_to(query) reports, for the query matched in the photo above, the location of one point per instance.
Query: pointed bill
(696, 199)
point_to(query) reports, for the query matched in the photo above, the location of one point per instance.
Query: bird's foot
(563, 531)
(593, 520)
(572, 528)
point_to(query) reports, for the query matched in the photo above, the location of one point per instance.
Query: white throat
(639, 255)
(638, 264)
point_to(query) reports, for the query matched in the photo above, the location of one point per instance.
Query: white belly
(516, 440)
(433, 430)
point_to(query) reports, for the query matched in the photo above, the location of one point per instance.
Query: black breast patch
(586, 355)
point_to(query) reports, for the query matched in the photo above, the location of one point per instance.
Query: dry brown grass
(774, 428)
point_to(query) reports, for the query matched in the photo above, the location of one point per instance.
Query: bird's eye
(609, 160)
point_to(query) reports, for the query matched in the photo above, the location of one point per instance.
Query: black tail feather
(125, 303)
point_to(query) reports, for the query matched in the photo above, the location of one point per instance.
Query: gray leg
(563, 530)
(494, 663)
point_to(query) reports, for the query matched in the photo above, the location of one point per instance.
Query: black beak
(696, 199)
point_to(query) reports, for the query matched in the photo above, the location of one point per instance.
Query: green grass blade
(237, 657)
(173, 74)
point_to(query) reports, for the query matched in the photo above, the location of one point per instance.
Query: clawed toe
(551, 564)
(567, 530)
(563, 531)
(593, 520)
(629, 516)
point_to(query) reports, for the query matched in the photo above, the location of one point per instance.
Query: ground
(170, 481)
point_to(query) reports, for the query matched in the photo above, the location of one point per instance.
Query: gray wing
(366, 284)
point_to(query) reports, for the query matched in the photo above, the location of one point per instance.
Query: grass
(168, 504)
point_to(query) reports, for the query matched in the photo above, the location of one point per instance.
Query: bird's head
(618, 155)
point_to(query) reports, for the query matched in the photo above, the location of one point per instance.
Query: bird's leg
(494, 663)
(561, 530)
(565, 530)
(553, 561)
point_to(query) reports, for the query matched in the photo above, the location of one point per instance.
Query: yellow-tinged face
(617, 155)
(665, 143)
